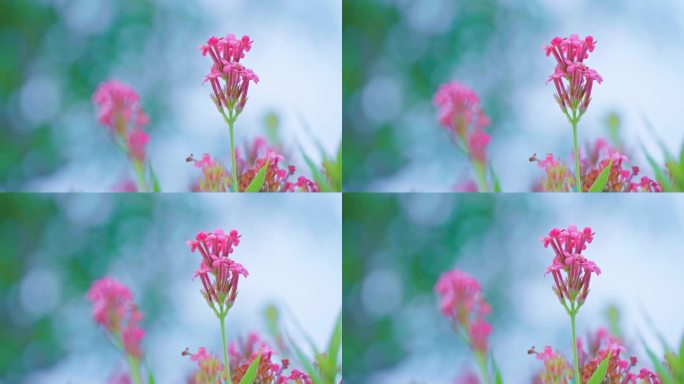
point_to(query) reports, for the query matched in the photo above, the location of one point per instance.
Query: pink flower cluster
(571, 271)
(119, 110)
(226, 53)
(209, 367)
(556, 370)
(115, 310)
(461, 114)
(461, 300)
(619, 369)
(269, 371)
(557, 175)
(559, 178)
(216, 178)
(570, 54)
(218, 273)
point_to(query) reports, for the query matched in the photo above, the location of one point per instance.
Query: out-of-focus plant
(246, 362)
(671, 176)
(603, 359)
(119, 109)
(462, 116)
(462, 302)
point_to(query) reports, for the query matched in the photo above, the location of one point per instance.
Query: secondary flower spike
(461, 114)
(572, 78)
(115, 310)
(461, 300)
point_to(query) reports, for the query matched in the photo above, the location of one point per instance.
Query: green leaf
(251, 373)
(258, 181)
(318, 176)
(659, 173)
(150, 378)
(660, 369)
(333, 350)
(308, 367)
(497, 184)
(602, 179)
(498, 379)
(600, 372)
(155, 180)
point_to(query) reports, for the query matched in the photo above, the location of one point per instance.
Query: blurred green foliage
(78, 238)
(380, 232)
(381, 38)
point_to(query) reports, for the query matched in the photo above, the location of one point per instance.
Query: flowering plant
(602, 357)
(245, 362)
(262, 167)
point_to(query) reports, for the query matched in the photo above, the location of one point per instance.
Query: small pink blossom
(209, 367)
(557, 370)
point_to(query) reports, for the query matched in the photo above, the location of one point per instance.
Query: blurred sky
(296, 53)
(638, 54)
(637, 245)
(294, 262)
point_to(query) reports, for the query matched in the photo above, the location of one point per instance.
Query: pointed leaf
(334, 349)
(602, 179)
(252, 371)
(660, 369)
(497, 184)
(155, 180)
(258, 181)
(659, 174)
(318, 176)
(498, 379)
(150, 378)
(600, 372)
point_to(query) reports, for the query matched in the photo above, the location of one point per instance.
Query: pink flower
(467, 378)
(461, 301)
(571, 271)
(115, 310)
(218, 273)
(479, 334)
(477, 144)
(209, 367)
(214, 178)
(118, 107)
(461, 114)
(558, 177)
(226, 53)
(465, 186)
(571, 77)
(556, 368)
(137, 141)
(459, 108)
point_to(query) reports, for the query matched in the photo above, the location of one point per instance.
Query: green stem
(578, 178)
(236, 188)
(226, 368)
(482, 364)
(140, 175)
(481, 178)
(134, 367)
(573, 313)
